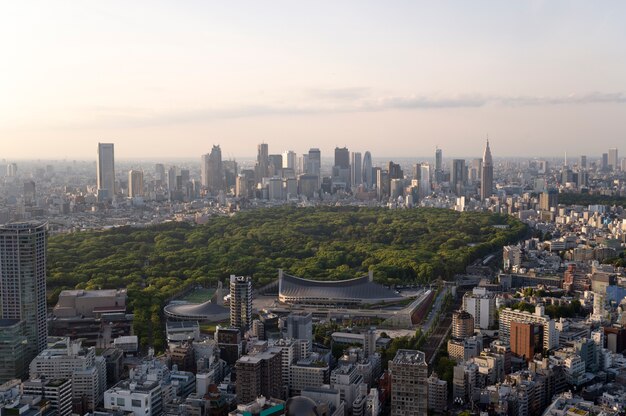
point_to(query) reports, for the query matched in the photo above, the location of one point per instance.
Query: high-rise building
(481, 304)
(613, 159)
(275, 165)
(425, 187)
(289, 160)
(368, 179)
(341, 168)
(457, 177)
(409, 383)
(314, 162)
(462, 324)
(486, 177)
(550, 333)
(583, 162)
(159, 173)
(135, 183)
(356, 166)
(240, 302)
(549, 199)
(300, 327)
(604, 164)
(106, 171)
(342, 157)
(23, 281)
(57, 392)
(13, 363)
(262, 162)
(438, 166)
(213, 170)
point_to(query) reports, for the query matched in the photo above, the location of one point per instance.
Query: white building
(550, 332)
(143, 399)
(481, 304)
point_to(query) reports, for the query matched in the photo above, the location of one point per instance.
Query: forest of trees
(155, 263)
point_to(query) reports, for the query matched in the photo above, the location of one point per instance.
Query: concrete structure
(307, 373)
(106, 171)
(12, 350)
(241, 302)
(409, 384)
(89, 303)
(135, 183)
(143, 399)
(437, 394)
(526, 339)
(23, 281)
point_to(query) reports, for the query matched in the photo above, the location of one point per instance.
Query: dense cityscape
(533, 325)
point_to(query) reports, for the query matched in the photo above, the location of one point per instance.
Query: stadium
(351, 292)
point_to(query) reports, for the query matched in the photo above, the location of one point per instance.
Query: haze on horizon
(397, 78)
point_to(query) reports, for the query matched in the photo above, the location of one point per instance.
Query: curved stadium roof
(363, 290)
(207, 311)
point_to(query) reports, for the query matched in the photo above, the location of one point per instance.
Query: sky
(397, 78)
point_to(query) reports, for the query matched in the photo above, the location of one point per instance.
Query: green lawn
(198, 295)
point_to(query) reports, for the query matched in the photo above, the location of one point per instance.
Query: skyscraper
(486, 177)
(262, 162)
(314, 162)
(613, 159)
(356, 165)
(457, 177)
(583, 162)
(213, 170)
(367, 170)
(106, 171)
(135, 183)
(23, 281)
(438, 165)
(240, 302)
(289, 160)
(341, 168)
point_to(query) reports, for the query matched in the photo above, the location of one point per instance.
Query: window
(120, 401)
(136, 403)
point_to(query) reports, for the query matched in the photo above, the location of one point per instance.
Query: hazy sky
(394, 77)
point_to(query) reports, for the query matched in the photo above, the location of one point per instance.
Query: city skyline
(326, 74)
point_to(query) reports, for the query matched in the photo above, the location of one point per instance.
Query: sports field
(198, 295)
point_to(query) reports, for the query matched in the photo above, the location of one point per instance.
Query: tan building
(409, 387)
(437, 394)
(462, 324)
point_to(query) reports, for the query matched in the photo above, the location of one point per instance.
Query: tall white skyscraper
(613, 159)
(23, 281)
(106, 171)
(425, 186)
(289, 160)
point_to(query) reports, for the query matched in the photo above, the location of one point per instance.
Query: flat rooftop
(411, 357)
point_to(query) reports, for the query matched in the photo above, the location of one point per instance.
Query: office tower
(548, 200)
(526, 339)
(159, 172)
(462, 324)
(106, 171)
(230, 173)
(583, 162)
(475, 170)
(314, 162)
(262, 162)
(425, 187)
(437, 394)
(382, 183)
(394, 170)
(275, 166)
(23, 281)
(259, 375)
(457, 177)
(171, 178)
(356, 166)
(289, 160)
(213, 170)
(29, 192)
(624, 164)
(367, 170)
(229, 343)
(135, 183)
(12, 170)
(303, 164)
(341, 168)
(417, 172)
(438, 166)
(409, 386)
(613, 159)
(486, 177)
(604, 165)
(241, 302)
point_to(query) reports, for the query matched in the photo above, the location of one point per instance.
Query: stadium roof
(207, 311)
(358, 290)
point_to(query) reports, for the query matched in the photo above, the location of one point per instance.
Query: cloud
(324, 101)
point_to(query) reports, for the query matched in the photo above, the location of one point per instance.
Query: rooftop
(411, 357)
